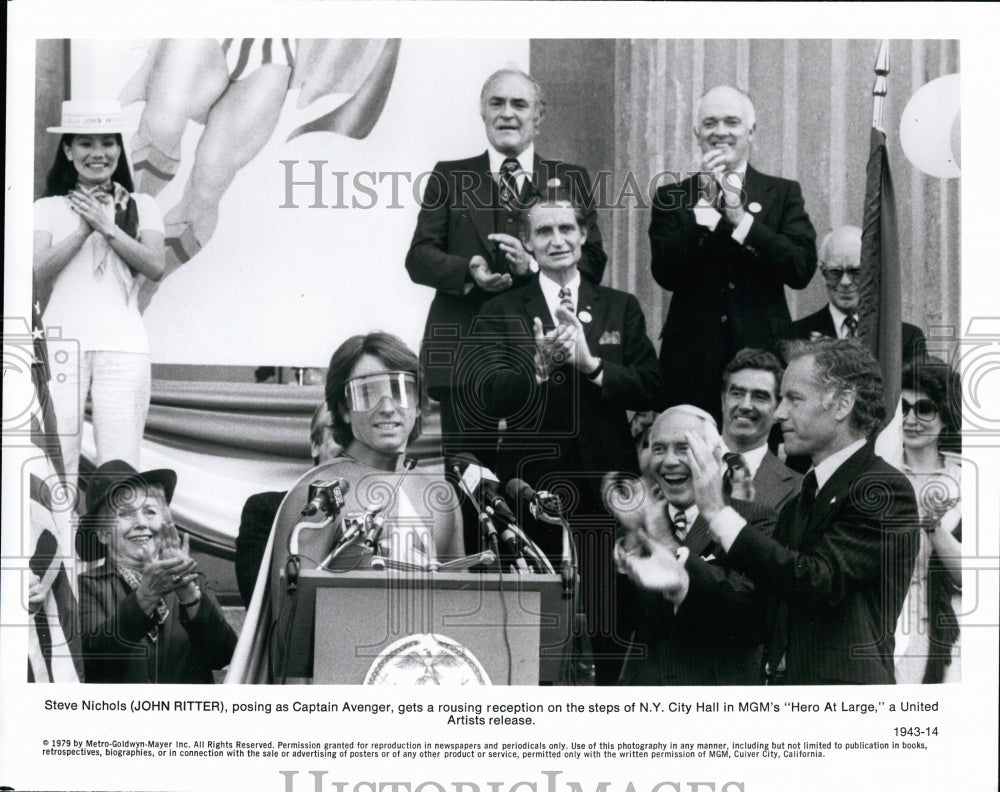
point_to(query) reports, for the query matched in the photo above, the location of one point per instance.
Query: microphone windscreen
(519, 490)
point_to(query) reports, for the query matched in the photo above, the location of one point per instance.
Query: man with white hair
(840, 264)
(697, 620)
(725, 242)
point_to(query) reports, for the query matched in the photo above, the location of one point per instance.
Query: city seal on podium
(426, 659)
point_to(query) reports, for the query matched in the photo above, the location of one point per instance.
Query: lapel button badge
(754, 207)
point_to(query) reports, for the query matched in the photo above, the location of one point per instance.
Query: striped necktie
(680, 526)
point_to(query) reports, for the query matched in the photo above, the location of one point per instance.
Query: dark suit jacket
(567, 432)
(568, 424)
(774, 483)
(255, 527)
(459, 211)
(726, 296)
(821, 322)
(116, 643)
(842, 574)
(715, 636)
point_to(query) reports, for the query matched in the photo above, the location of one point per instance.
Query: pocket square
(610, 338)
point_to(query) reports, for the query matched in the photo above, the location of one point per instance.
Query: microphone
(545, 506)
(484, 483)
(495, 501)
(326, 496)
(375, 518)
(469, 479)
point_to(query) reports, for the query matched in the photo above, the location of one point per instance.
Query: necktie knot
(850, 326)
(565, 293)
(737, 481)
(509, 193)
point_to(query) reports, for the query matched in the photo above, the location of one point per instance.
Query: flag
(881, 298)
(880, 281)
(53, 639)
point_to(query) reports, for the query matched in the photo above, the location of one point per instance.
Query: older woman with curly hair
(927, 634)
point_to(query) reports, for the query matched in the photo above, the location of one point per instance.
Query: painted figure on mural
(237, 88)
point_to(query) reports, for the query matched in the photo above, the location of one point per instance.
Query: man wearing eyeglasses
(840, 265)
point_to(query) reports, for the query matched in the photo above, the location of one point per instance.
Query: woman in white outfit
(95, 242)
(927, 636)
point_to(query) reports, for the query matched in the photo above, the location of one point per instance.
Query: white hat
(91, 117)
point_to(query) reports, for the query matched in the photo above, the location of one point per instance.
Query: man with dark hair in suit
(840, 263)
(750, 385)
(725, 242)
(467, 247)
(562, 360)
(708, 631)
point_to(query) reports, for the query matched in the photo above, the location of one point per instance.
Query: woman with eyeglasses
(373, 395)
(927, 633)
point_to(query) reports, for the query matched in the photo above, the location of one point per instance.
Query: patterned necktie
(680, 526)
(566, 297)
(737, 481)
(508, 183)
(850, 327)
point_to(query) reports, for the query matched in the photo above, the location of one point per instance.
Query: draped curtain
(814, 111)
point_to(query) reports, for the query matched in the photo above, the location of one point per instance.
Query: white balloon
(927, 130)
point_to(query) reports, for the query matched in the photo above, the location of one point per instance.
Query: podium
(438, 628)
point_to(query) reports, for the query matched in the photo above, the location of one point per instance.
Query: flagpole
(881, 84)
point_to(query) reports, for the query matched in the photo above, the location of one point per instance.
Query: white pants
(119, 385)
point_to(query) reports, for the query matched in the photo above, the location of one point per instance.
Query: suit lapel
(535, 305)
(827, 327)
(698, 538)
(758, 190)
(773, 476)
(590, 303)
(830, 495)
(481, 211)
(543, 171)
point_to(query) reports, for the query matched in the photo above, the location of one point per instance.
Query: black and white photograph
(641, 367)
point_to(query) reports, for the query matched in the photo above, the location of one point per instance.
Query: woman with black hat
(145, 616)
(95, 242)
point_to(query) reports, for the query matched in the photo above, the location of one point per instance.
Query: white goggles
(365, 393)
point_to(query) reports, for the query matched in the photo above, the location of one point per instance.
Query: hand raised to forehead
(706, 467)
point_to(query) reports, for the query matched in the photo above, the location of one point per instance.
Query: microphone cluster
(481, 486)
